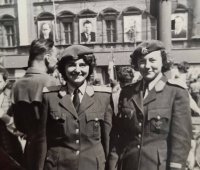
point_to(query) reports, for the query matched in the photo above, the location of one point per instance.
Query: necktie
(145, 89)
(76, 99)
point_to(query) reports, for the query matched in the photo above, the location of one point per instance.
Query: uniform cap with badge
(145, 48)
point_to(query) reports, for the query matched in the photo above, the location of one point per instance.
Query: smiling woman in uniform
(152, 130)
(78, 116)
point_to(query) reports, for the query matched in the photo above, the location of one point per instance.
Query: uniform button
(158, 117)
(139, 135)
(77, 130)
(77, 152)
(96, 119)
(140, 124)
(47, 158)
(77, 141)
(138, 146)
(57, 118)
(118, 136)
(76, 120)
(125, 116)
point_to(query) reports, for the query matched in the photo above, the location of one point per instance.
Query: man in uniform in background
(27, 100)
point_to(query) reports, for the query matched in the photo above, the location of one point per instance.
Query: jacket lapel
(158, 88)
(88, 99)
(138, 96)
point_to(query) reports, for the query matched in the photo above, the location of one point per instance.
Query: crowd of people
(68, 123)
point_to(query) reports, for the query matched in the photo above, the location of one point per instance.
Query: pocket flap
(58, 116)
(128, 112)
(94, 116)
(162, 155)
(159, 114)
(52, 157)
(101, 160)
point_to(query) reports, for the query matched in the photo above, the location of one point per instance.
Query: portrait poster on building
(46, 29)
(132, 28)
(179, 26)
(87, 29)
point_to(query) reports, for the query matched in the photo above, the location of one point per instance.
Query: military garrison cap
(74, 51)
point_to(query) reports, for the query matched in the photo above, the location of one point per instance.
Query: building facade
(112, 28)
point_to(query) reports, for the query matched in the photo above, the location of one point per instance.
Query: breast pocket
(57, 123)
(159, 120)
(94, 121)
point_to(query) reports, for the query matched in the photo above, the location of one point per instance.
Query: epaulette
(51, 89)
(178, 83)
(102, 89)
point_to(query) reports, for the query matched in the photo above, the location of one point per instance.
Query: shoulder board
(102, 89)
(177, 83)
(51, 89)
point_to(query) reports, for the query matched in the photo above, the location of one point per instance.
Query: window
(9, 36)
(68, 32)
(111, 30)
(8, 1)
(109, 19)
(7, 33)
(65, 30)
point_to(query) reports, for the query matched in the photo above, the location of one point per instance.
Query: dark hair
(88, 59)
(125, 74)
(87, 22)
(39, 48)
(4, 73)
(183, 66)
(166, 60)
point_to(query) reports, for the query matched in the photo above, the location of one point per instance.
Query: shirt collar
(1, 98)
(154, 82)
(35, 70)
(82, 88)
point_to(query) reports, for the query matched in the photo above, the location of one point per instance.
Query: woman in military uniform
(78, 116)
(153, 127)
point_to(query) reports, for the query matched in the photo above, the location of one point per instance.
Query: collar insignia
(144, 50)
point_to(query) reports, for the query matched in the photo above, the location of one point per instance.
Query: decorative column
(164, 23)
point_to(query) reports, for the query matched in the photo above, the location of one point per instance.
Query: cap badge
(144, 50)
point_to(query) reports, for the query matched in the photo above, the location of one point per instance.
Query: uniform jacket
(8, 141)
(77, 140)
(26, 104)
(154, 133)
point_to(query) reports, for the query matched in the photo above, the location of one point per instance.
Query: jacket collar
(66, 102)
(35, 70)
(138, 93)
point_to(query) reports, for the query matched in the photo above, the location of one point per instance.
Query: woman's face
(76, 72)
(150, 65)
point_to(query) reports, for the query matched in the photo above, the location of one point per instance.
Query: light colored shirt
(81, 89)
(152, 84)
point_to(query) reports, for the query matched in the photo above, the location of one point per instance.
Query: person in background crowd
(195, 90)
(182, 79)
(27, 100)
(97, 82)
(125, 75)
(153, 128)
(8, 141)
(78, 116)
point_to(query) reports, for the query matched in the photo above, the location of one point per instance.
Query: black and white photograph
(87, 27)
(180, 30)
(99, 85)
(46, 29)
(132, 28)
